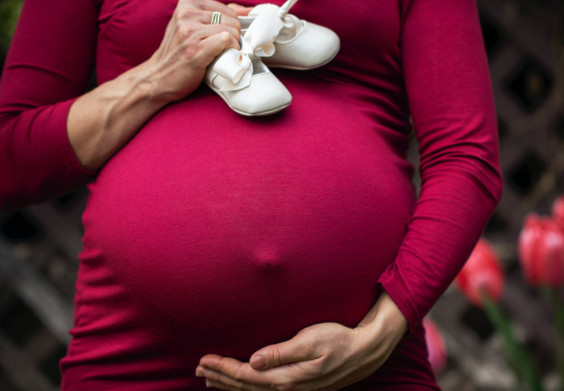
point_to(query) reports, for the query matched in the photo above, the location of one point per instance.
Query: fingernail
(258, 362)
(199, 372)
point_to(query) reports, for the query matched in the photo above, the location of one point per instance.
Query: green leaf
(9, 14)
(517, 356)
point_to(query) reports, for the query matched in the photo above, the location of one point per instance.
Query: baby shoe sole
(245, 113)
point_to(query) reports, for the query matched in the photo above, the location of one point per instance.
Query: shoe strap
(285, 8)
(259, 38)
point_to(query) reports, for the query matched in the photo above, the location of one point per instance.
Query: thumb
(299, 348)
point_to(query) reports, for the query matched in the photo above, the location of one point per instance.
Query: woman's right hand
(189, 45)
(103, 120)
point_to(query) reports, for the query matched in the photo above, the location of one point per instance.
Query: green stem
(517, 355)
(558, 308)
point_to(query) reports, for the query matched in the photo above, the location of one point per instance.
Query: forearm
(103, 120)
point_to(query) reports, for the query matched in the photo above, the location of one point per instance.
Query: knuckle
(306, 333)
(276, 356)
(225, 38)
(233, 31)
(185, 13)
(186, 30)
(308, 349)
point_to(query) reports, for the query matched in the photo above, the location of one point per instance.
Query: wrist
(384, 319)
(144, 85)
(164, 81)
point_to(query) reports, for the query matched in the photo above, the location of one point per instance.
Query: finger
(225, 35)
(239, 9)
(226, 20)
(213, 29)
(215, 44)
(210, 5)
(225, 382)
(300, 348)
(187, 14)
(222, 368)
(211, 40)
(218, 385)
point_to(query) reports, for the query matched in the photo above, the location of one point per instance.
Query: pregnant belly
(229, 228)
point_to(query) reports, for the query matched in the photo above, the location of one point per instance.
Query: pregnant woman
(286, 252)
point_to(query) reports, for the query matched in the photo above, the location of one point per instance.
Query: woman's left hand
(325, 356)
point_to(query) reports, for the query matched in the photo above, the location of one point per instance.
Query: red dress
(210, 232)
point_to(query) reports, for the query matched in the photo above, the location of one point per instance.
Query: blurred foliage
(9, 14)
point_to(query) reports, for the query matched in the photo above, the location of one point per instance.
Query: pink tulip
(436, 347)
(541, 251)
(482, 274)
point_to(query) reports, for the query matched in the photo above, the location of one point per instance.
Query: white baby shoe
(263, 94)
(299, 44)
(239, 76)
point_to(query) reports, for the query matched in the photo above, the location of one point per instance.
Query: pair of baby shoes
(271, 37)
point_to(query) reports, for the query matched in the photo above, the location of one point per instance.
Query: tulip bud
(436, 347)
(482, 274)
(541, 251)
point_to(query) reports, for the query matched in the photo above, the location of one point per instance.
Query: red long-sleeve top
(214, 233)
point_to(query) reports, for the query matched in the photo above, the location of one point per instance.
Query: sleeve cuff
(392, 282)
(74, 169)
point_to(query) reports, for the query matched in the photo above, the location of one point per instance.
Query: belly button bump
(267, 257)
